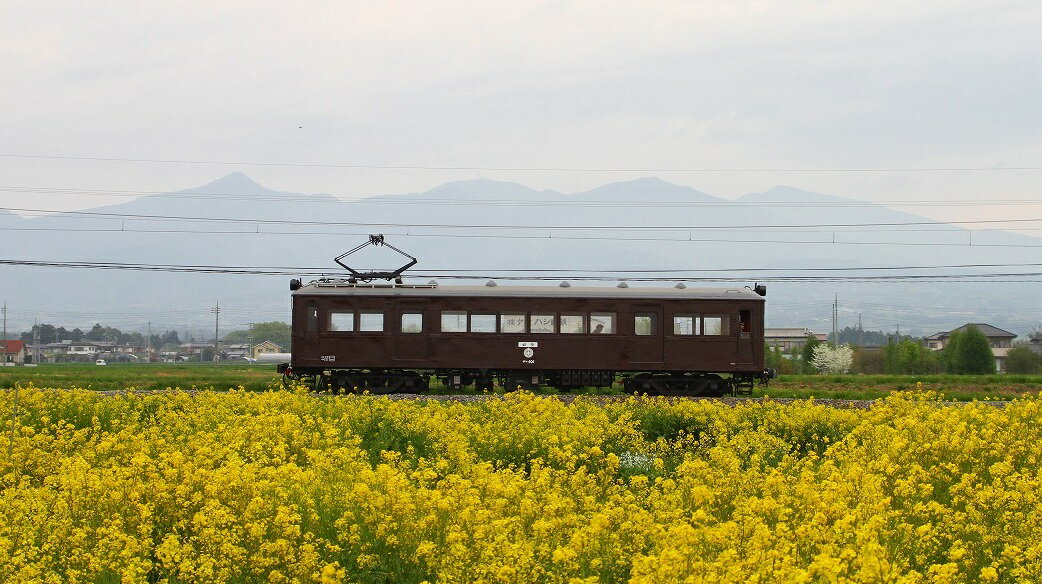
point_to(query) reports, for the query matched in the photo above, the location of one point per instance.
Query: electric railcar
(394, 337)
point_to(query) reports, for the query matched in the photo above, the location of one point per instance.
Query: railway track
(570, 397)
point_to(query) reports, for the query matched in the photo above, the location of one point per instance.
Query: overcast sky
(822, 85)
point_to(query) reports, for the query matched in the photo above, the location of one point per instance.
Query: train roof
(345, 288)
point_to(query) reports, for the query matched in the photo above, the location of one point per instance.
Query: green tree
(968, 352)
(771, 357)
(909, 357)
(867, 360)
(807, 355)
(277, 332)
(1023, 360)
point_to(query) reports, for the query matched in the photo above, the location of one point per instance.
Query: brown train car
(387, 338)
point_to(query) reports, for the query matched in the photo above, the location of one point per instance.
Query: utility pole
(36, 342)
(835, 317)
(216, 310)
(148, 351)
(250, 344)
(4, 338)
(860, 332)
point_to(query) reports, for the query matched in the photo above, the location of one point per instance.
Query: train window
(412, 322)
(602, 323)
(685, 324)
(542, 323)
(511, 323)
(716, 324)
(342, 321)
(312, 318)
(644, 323)
(482, 323)
(743, 321)
(370, 321)
(573, 324)
(453, 321)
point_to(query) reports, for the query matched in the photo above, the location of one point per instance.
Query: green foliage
(807, 354)
(968, 351)
(276, 331)
(909, 357)
(52, 334)
(142, 376)
(867, 360)
(1023, 360)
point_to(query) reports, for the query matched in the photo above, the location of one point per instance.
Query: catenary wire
(983, 277)
(551, 236)
(191, 218)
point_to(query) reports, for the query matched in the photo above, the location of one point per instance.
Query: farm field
(259, 377)
(142, 376)
(281, 486)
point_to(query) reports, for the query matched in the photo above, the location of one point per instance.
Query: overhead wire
(517, 168)
(290, 271)
(274, 196)
(666, 228)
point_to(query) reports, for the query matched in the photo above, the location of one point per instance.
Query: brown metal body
(317, 347)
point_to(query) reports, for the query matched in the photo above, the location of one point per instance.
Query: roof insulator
(623, 285)
(432, 283)
(565, 285)
(680, 286)
(491, 284)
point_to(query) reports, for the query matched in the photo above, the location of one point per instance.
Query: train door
(647, 340)
(745, 337)
(411, 331)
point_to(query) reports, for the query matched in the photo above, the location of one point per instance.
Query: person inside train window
(684, 325)
(743, 321)
(453, 321)
(412, 322)
(342, 321)
(574, 324)
(511, 323)
(715, 325)
(644, 324)
(312, 318)
(482, 323)
(542, 323)
(602, 323)
(370, 321)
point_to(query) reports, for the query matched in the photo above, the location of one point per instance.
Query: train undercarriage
(388, 381)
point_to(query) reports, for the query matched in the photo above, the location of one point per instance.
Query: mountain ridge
(712, 236)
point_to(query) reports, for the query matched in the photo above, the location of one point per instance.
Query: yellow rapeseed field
(287, 487)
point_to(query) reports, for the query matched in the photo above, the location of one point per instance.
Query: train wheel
(320, 383)
(384, 385)
(716, 386)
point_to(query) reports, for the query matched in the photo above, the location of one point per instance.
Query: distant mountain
(236, 222)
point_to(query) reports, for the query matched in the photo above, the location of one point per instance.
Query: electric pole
(250, 344)
(860, 332)
(835, 318)
(36, 341)
(4, 338)
(148, 351)
(216, 310)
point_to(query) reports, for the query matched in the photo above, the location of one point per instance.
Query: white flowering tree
(829, 359)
